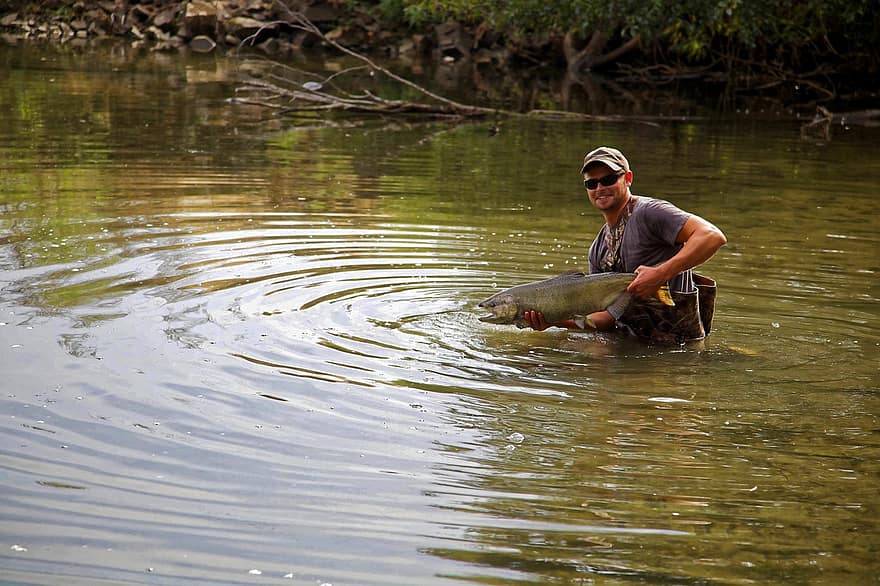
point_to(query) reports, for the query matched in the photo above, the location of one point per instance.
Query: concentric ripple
(238, 351)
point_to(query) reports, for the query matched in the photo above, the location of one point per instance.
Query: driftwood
(288, 96)
(285, 95)
(824, 119)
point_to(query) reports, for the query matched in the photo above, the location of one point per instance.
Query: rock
(95, 16)
(10, 20)
(139, 15)
(119, 24)
(497, 55)
(159, 34)
(416, 44)
(202, 44)
(244, 27)
(453, 40)
(200, 17)
(347, 36)
(320, 13)
(165, 18)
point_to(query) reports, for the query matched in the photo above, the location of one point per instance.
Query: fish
(572, 295)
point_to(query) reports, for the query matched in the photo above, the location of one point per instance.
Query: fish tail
(664, 295)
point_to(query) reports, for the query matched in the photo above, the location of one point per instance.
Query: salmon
(569, 296)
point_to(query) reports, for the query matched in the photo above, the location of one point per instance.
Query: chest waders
(689, 320)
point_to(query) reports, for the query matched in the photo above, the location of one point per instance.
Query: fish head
(503, 309)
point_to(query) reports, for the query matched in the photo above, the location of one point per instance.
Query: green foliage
(693, 28)
(389, 12)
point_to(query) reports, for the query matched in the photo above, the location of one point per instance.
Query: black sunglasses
(607, 181)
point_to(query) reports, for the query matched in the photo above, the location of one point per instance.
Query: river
(244, 349)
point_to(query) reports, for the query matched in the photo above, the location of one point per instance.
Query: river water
(238, 349)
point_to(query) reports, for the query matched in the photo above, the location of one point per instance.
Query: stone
(200, 17)
(320, 13)
(10, 19)
(453, 40)
(165, 18)
(242, 26)
(202, 44)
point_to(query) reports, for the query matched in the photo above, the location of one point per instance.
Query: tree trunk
(592, 55)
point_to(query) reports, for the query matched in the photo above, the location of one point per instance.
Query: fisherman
(654, 239)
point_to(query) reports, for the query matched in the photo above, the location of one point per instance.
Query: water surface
(238, 349)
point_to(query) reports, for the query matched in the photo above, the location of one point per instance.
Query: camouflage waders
(689, 321)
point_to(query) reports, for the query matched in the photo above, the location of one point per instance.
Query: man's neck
(612, 216)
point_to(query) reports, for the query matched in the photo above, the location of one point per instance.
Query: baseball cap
(609, 156)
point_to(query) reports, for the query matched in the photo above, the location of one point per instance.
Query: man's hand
(601, 320)
(536, 320)
(699, 239)
(648, 280)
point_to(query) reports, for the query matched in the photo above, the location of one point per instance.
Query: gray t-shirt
(648, 239)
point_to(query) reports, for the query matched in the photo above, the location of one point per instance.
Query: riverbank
(204, 26)
(264, 26)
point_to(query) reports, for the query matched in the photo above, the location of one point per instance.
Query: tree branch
(298, 20)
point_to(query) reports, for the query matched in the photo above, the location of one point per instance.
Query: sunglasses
(607, 181)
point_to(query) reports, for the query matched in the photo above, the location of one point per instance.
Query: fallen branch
(824, 118)
(286, 95)
(289, 96)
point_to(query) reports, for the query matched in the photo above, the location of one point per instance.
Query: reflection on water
(235, 351)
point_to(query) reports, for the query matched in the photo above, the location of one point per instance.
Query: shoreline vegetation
(821, 57)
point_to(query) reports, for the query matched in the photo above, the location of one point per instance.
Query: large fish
(571, 295)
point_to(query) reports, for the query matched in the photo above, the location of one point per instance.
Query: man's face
(606, 197)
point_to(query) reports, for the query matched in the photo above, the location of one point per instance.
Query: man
(657, 241)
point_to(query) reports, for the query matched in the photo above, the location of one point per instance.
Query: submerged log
(824, 119)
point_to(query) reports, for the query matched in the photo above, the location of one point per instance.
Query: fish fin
(619, 305)
(664, 295)
(582, 321)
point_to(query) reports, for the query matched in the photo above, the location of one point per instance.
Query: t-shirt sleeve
(664, 220)
(650, 235)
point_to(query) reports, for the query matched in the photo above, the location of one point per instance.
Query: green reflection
(132, 191)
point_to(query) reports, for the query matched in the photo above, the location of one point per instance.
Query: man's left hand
(648, 280)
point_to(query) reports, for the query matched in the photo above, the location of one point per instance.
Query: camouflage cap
(608, 156)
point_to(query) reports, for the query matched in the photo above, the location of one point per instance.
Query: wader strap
(707, 289)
